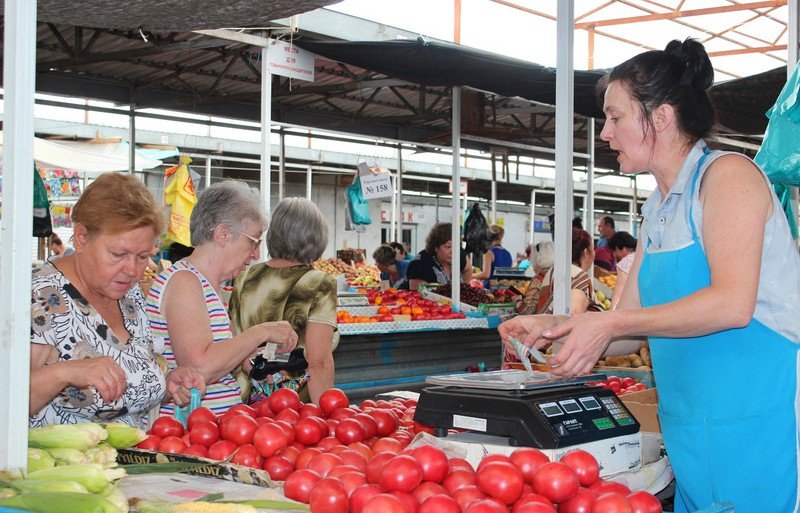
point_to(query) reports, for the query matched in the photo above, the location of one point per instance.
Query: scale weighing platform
(512, 273)
(532, 409)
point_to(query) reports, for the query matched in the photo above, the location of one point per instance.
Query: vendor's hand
(528, 329)
(247, 364)
(101, 373)
(587, 337)
(280, 332)
(180, 382)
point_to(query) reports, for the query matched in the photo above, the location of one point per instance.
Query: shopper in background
(393, 269)
(286, 288)
(186, 313)
(91, 351)
(729, 425)
(542, 258)
(524, 258)
(432, 264)
(606, 229)
(582, 292)
(497, 256)
(402, 254)
(57, 247)
(623, 247)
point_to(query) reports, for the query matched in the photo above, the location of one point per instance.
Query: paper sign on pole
(375, 181)
(287, 60)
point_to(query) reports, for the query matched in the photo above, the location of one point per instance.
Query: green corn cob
(65, 456)
(60, 502)
(38, 485)
(122, 436)
(101, 453)
(91, 475)
(39, 459)
(72, 436)
(114, 495)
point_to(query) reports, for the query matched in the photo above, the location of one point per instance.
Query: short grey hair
(230, 203)
(544, 255)
(298, 231)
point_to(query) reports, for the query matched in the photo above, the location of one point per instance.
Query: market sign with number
(376, 182)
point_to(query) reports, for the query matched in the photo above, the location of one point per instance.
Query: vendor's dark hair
(438, 236)
(398, 246)
(581, 241)
(385, 254)
(621, 240)
(680, 76)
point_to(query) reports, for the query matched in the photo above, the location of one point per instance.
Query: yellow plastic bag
(180, 195)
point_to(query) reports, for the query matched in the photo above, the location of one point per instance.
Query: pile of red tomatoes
(620, 386)
(340, 458)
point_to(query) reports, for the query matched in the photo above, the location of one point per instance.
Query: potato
(645, 354)
(618, 361)
(636, 360)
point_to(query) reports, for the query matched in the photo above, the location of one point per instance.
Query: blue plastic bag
(779, 155)
(359, 207)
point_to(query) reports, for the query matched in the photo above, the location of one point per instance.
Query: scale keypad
(617, 411)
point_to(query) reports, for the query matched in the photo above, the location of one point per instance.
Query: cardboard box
(227, 471)
(619, 454)
(644, 406)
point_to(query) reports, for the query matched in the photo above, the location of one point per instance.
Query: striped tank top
(225, 392)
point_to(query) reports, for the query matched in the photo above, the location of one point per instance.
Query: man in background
(606, 229)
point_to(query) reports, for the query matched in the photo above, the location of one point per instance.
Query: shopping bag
(359, 207)
(180, 195)
(42, 222)
(779, 155)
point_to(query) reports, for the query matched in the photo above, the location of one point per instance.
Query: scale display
(546, 417)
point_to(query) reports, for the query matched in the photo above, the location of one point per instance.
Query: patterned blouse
(61, 317)
(223, 393)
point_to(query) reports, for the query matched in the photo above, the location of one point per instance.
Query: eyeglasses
(256, 242)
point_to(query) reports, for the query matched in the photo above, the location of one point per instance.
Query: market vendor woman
(724, 337)
(92, 353)
(432, 265)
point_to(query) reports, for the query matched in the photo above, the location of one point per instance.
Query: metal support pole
(208, 172)
(455, 265)
(532, 217)
(392, 236)
(635, 211)
(309, 177)
(132, 138)
(400, 218)
(494, 192)
(589, 203)
(19, 56)
(562, 279)
(281, 165)
(266, 128)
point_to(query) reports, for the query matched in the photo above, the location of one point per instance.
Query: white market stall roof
(86, 156)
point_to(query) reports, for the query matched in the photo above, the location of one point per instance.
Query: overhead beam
(673, 15)
(741, 51)
(341, 87)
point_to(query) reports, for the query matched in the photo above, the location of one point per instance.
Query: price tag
(376, 182)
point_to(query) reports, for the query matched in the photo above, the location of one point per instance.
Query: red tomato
(486, 506)
(310, 410)
(500, 480)
(408, 501)
(262, 408)
(581, 502)
(534, 507)
(427, 489)
(290, 453)
(248, 456)
(196, 450)
(288, 415)
(204, 433)
(466, 495)
(238, 429)
(584, 464)
(368, 424)
(613, 379)
(166, 426)
(556, 481)
(331, 425)
(323, 463)
(491, 458)
(376, 465)
(456, 463)
(269, 439)
(615, 387)
(329, 496)
(342, 469)
(278, 467)
(331, 400)
(150, 443)
(349, 431)
(384, 503)
(186, 440)
(299, 484)
(600, 486)
(308, 431)
(172, 445)
(361, 449)
(362, 495)
(288, 430)
(390, 445)
(401, 473)
(221, 450)
(201, 414)
(612, 503)
(356, 459)
(343, 413)
(528, 460)
(457, 479)
(439, 503)
(627, 382)
(643, 502)
(352, 480)
(432, 461)
(522, 505)
(305, 457)
(242, 408)
(328, 443)
(284, 398)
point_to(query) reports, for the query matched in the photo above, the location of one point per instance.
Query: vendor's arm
(736, 206)
(486, 270)
(466, 274)
(619, 287)
(319, 354)
(416, 274)
(50, 379)
(184, 308)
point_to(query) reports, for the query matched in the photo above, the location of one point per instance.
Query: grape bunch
(469, 295)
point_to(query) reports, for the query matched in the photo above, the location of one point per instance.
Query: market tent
(742, 103)
(86, 156)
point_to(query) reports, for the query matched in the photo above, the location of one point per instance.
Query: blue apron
(726, 400)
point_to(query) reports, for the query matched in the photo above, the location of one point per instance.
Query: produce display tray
(437, 325)
(215, 469)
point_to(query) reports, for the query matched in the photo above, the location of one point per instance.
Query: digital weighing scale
(509, 273)
(532, 409)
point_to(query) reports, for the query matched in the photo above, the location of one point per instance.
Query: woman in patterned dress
(188, 316)
(92, 355)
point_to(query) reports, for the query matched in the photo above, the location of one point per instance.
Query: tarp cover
(741, 103)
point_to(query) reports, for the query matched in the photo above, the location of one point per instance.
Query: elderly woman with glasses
(286, 287)
(184, 305)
